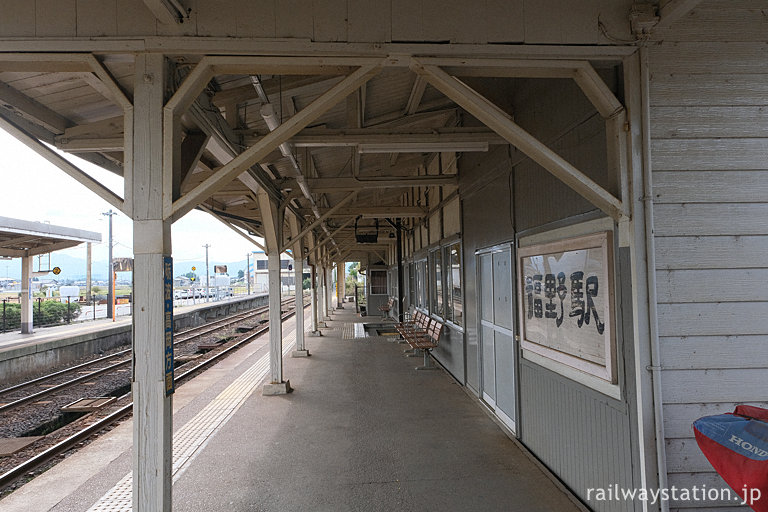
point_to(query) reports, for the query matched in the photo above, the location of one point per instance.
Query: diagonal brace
(272, 140)
(498, 120)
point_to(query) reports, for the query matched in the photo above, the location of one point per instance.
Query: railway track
(51, 384)
(113, 416)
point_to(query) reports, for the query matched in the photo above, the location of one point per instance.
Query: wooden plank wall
(496, 21)
(709, 130)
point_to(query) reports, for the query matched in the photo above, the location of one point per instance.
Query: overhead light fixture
(423, 147)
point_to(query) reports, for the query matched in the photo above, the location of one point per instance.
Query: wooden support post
(152, 401)
(313, 298)
(27, 315)
(298, 270)
(272, 219)
(340, 273)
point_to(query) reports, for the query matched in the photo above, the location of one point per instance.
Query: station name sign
(566, 302)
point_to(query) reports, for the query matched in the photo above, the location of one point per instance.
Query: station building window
(436, 300)
(443, 279)
(378, 282)
(455, 306)
(412, 284)
(421, 284)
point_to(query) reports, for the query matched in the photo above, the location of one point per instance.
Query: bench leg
(428, 365)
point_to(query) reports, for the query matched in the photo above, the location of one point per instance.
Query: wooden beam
(504, 68)
(233, 228)
(324, 216)
(256, 65)
(161, 12)
(62, 163)
(673, 10)
(499, 121)
(319, 138)
(106, 84)
(371, 212)
(326, 185)
(91, 145)
(595, 89)
(287, 86)
(33, 110)
(22, 61)
(189, 89)
(333, 234)
(271, 141)
(417, 92)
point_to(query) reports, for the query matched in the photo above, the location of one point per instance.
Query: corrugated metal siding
(577, 434)
(709, 157)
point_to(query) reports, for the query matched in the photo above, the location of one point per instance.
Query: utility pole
(110, 289)
(88, 273)
(207, 274)
(248, 270)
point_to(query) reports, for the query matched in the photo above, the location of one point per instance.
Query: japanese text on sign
(168, 317)
(566, 301)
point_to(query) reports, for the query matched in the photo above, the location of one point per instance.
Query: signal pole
(207, 274)
(110, 290)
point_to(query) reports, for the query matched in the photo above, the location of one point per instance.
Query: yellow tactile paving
(189, 440)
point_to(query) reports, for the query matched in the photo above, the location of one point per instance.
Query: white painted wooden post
(340, 275)
(273, 233)
(27, 308)
(329, 289)
(152, 406)
(298, 269)
(313, 298)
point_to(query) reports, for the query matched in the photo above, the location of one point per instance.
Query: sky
(33, 189)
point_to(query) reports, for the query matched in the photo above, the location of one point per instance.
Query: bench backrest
(435, 330)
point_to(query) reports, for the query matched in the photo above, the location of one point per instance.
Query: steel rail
(38, 460)
(204, 329)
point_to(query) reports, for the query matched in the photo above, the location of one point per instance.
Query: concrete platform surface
(361, 431)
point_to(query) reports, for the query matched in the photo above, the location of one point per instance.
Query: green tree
(191, 275)
(307, 284)
(49, 312)
(240, 274)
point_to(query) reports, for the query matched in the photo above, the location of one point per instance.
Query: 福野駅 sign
(566, 302)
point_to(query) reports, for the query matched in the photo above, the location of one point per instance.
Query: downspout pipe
(650, 258)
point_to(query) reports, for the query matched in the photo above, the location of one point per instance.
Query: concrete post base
(277, 388)
(339, 307)
(300, 353)
(314, 333)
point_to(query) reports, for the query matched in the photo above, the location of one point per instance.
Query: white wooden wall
(709, 129)
(496, 21)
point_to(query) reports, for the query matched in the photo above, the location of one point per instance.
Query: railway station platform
(362, 430)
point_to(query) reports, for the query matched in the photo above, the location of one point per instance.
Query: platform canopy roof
(331, 132)
(26, 238)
